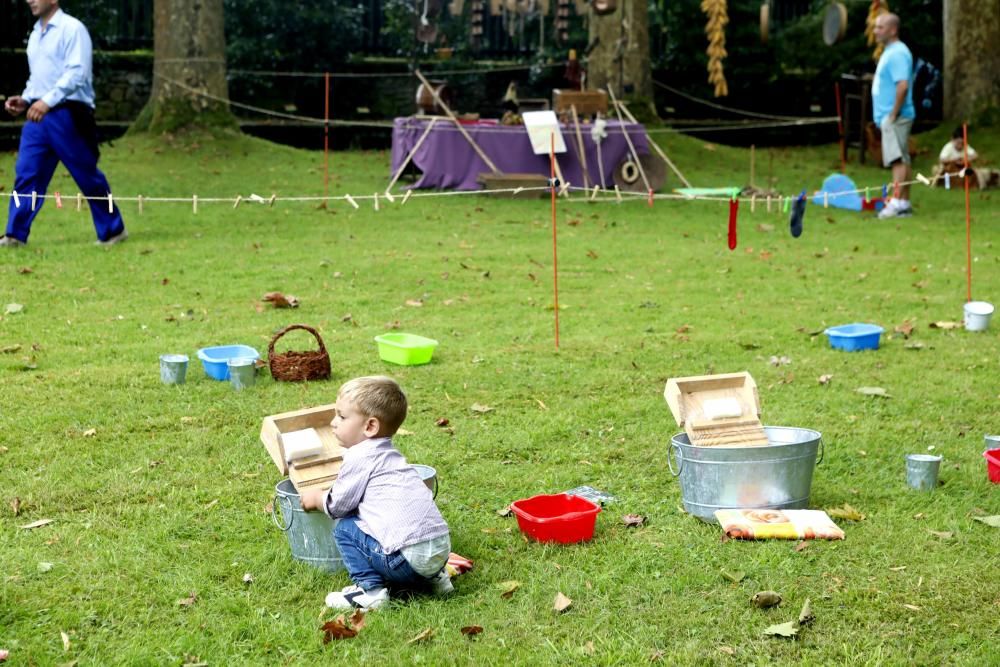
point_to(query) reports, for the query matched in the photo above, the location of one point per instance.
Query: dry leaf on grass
(279, 300)
(505, 511)
(90, 433)
(561, 603)
(37, 524)
(802, 546)
(766, 599)
(442, 422)
(588, 648)
(189, 600)
(414, 303)
(806, 616)
(873, 391)
(825, 379)
(337, 629)
(12, 308)
(16, 505)
(480, 409)
(944, 535)
(906, 328)
(993, 520)
(508, 588)
(735, 577)
(945, 325)
(44, 567)
(357, 620)
(633, 520)
(898, 568)
(728, 650)
(247, 578)
(422, 637)
(472, 630)
(789, 629)
(65, 640)
(845, 512)
(10, 349)
(912, 607)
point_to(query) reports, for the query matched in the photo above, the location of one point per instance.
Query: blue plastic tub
(215, 360)
(854, 337)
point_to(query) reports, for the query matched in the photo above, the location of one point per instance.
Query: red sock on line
(734, 206)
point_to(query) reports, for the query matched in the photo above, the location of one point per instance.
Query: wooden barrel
(426, 101)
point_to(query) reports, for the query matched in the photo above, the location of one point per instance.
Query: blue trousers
(44, 145)
(367, 563)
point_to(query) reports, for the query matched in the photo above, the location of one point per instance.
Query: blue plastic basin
(215, 360)
(854, 337)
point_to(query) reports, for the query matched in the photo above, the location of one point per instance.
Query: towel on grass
(762, 524)
(457, 565)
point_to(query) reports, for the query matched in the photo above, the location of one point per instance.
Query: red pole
(555, 257)
(840, 129)
(968, 217)
(326, 138)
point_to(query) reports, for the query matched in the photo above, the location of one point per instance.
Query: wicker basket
(299, 366)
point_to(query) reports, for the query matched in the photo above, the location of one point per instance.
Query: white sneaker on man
(895, 208)
(355, 597)
(11, 242)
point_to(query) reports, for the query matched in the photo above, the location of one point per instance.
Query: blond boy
(389, 532)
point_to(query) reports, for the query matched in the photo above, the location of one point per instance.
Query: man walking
(892, 104)
(59, 101)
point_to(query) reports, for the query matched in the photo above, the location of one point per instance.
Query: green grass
(169, 496)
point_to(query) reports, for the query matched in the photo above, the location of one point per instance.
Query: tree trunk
(621, 57)
(971, 57)
(189, 67)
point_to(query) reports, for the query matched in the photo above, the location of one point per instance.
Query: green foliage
(169, 494)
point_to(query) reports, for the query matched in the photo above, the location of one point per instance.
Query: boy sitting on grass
(389, 532)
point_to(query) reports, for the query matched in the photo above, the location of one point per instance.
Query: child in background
(951, 161)
(389, 532)
(953, 153)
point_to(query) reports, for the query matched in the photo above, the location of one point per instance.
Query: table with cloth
(447, 160)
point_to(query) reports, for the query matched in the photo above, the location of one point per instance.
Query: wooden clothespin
(375, 200)
(650, 200)
(923, 179)
(139, 201)
(593, 195)
(564, 189)
(79, 201)
(194, 204)
(618, 194)
(388, 195)
(239, 198)
(58, 199)
(274, 197)
(111, 203)
(350, 200)
(826, 200)
(34, 200)
(406, 196)
(769, 203)
(753, 202)
(17, 200)
(518, 190)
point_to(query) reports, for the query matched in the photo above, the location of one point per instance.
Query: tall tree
(971, 57)
(189, 67)
(620, 57)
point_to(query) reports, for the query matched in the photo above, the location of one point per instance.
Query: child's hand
(312, 500)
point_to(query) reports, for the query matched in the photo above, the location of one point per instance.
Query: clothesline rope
(386, 75)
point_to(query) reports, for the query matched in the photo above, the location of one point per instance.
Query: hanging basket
(299, 366)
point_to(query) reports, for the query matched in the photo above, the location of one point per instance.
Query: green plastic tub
(405, 349)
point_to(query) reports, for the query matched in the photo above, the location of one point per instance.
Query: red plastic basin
(556, 518)
(992, 457)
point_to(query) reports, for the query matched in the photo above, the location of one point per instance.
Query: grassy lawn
(157, 492)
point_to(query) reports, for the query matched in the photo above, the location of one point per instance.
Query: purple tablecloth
(447, 160)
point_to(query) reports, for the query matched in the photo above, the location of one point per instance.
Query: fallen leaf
(24, 270)
(442, 422)
(898, 568)
(561, 603)
(90, 433)
(684, 328)
(10, 349)
(541, 404)
(944, 535)
(846, 512)
(347, 318)
(825, 379)
(728, 650)
(919, 515)
(945, 325)
(247, 578)
(911, 607)
(279, 300)
(472, 630)
(508, 588)
(633, 520)
(591, 254)
(766, 599)
(906, 328)
(481, 409)
(873, 391)
(806, 615)
(656, 656)
(189, 600)
(993, 520)
(357, 620)
(337, 629)
(422, 637)
(12, 308)
(506, 511)
(44, 567)
(404, 431)
(765, 227)
(16, 505)
(779, 361)
(414, 303)
(788, 629)
(37, 524)
(802, 546)
(735, 577)
(588, 648)
(749, 346)
(65, 640)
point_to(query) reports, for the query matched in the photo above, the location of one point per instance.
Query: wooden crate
(312, 472)
(717, 410)
(587, 102)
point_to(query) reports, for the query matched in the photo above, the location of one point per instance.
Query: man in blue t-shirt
(892, 106)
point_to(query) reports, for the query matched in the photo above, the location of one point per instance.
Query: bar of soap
(722, 408)
(301, 444)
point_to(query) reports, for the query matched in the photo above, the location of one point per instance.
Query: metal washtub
(773, 476)
(310, 534)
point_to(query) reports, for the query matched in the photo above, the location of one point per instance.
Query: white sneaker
(896, 208)
(889, 210)
(441, 584)
(11, 242)
(355, 597)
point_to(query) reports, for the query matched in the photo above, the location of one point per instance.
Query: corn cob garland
(718, 18)
(878, 7)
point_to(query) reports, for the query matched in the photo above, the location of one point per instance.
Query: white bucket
(977, 315)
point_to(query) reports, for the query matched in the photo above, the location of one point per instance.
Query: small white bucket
(977, 315)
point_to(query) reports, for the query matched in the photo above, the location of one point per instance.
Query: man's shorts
(896, 140)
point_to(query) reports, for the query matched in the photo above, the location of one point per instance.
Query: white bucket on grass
(977, 315)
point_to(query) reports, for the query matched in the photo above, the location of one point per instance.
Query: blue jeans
(367, 563)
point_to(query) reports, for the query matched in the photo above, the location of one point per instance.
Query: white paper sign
(541, 125)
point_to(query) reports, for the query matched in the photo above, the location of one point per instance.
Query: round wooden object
(628, 178)
(834, 23)
(426, 101)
